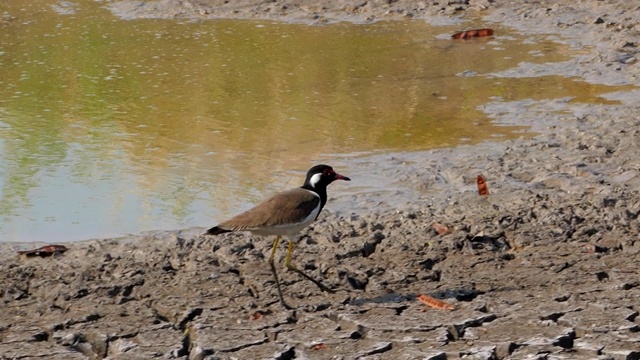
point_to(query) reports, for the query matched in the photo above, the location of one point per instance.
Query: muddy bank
(310, 12)
(544, 267)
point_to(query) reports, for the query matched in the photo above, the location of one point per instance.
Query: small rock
(588, 346)
(626, 59)
(120, 346)
(479, 353)
(438, 355)
(505, 349)
(377, 348)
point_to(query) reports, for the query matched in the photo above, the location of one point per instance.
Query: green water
(110, 127)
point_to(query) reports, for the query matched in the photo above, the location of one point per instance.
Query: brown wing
(287, 207)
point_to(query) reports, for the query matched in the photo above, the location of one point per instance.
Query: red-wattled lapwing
(285, 214)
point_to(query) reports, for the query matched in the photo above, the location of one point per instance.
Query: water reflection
(110, 127)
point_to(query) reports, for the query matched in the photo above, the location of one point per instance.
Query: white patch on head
(315, 179)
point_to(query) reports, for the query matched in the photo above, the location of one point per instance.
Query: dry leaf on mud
(258, 315)
(318, 346)
(472, 33)
(440, 229)
(45, 251)
(483, 190)
(434, 303)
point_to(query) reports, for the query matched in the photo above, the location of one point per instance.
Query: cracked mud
(545, 267)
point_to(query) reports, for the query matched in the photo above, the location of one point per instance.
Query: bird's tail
(216, 231)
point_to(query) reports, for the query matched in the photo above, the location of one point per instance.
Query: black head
(320, 176)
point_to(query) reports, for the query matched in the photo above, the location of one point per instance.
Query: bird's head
(322, 175)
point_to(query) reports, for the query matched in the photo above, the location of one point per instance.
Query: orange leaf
(434, 303)
(45, 250)
(318, 346)
(259, 315)
(472, 33)
(483, 190)
(440, 229)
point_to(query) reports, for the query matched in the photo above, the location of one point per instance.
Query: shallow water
(111, 126)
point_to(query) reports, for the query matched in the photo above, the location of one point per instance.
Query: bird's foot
(324, 288)
(286, 306)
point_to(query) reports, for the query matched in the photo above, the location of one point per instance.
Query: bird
(286, 214)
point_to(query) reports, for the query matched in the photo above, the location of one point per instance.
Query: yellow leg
(275, 275)
(290, 266)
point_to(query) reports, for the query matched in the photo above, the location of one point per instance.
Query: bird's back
(285, 213)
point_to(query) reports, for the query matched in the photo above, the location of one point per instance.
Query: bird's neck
(320, 190)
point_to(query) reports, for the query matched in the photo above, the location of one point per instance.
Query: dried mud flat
(546, 267)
